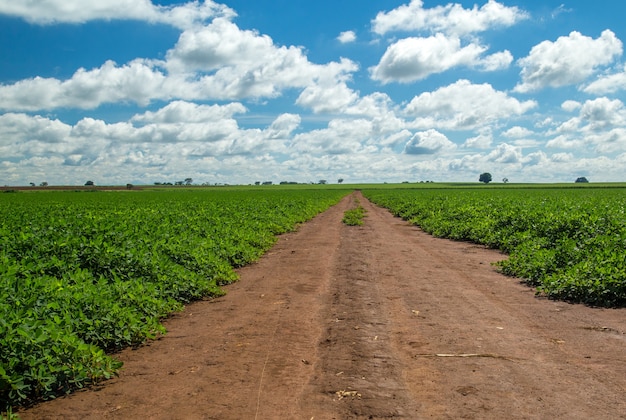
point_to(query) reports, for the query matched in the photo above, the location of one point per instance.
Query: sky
(238, 92)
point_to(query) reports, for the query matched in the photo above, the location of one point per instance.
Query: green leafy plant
(354, 217)
(86, 274)
(567, 242)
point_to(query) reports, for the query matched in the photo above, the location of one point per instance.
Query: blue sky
(134, 91)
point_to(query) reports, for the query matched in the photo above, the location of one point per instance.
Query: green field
(569, 242)
(83, 274)
(86, 273)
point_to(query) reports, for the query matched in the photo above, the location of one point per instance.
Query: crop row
(83, 274)
(569, 243)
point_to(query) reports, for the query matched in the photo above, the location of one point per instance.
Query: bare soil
(380, 321)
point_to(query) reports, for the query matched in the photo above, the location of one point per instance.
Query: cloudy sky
(141, 91)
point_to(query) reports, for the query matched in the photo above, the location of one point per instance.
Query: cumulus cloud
(517, 132)
(482, 141)
(413, 58)
(427, 143)
(178, 130)
(79, 11)
(188, 112)
(602, 113)
(561, 63)
(346, 37)
(221, 43)
(605, 84)
(327, 97)
(340, 137)
(235, 63)
(214, 62)
(562, 157)
(16, 128)
(505, 153)
(600, 125)
(570, 105)
(464, 105)
(134, 82)
(497, 61)
(283, 126)
(610, 141)
(450, 19)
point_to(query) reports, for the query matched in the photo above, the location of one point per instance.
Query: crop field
(83, 274)
(568, 242)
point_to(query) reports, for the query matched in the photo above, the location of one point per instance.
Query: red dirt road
(374, 322)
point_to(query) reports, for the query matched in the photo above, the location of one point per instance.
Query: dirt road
(374, 322)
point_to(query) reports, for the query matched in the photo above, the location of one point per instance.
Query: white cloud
(340, 137)
(283, 126)
(482, 141)
(535, 158)
(412, 59)
(505, 153)
(517, 132)
(427, 143)
(79, 11)
(234, 63)
(526, 143)
(599, 126)
(395, 139)
(327, 97)
(603, 113)
(451, 18)
(135, 82)
(181, 111)
(607, 84)
(347, 37)
(220, 44)
(559, 10)
(497, 61)
(569, 60)
(570, 106)
(16, 128)
(215, 62)
(608, 142)
(570, 126)
(165, 137)
(464, 105)
(368, 137)
(562, 157)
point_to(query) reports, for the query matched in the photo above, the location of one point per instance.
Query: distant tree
(340, 180)
(505, 180)
(188, 181)
(179, 183)
(43, 184)
(582, 179)
(32, 184)
(322, 182)
(129, 186)
(257, 183)
(89, 183)
(485, 177)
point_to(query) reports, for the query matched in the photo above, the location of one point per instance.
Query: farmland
(568, 242)
(379, 320)
(83, 274)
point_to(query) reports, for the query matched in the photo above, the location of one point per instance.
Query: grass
(354, 217)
